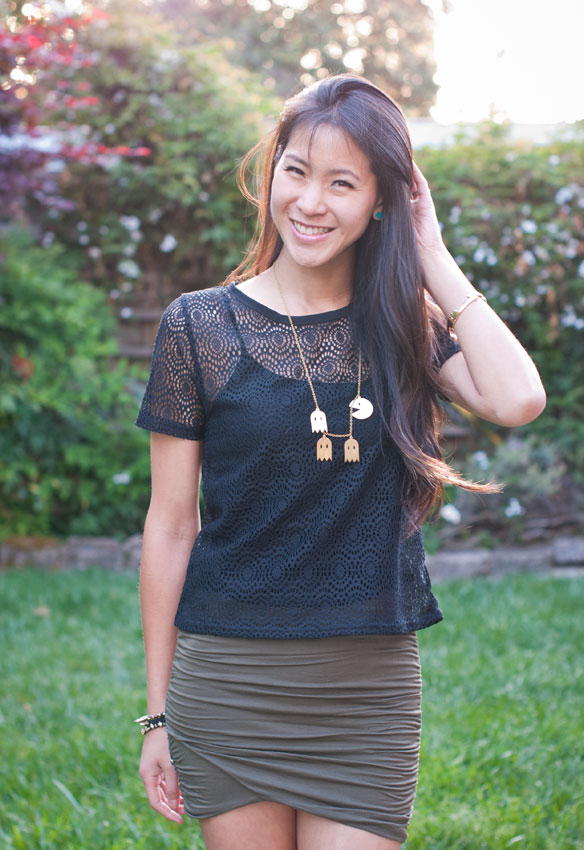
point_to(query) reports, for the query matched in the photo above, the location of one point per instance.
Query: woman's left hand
(428, 235)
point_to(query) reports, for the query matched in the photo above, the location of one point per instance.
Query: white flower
(479, 255)
(204, 196)
(169, 243)
(529, 258)
(581, 269)
(528, 226)
(569, 319)
(55, 166)
(572, 249)
(126, 312)
(514, 508)
(81, 226)
(554, 159)
(94, 252)
(451, 514)
(130, 222)
(564, 195)
(114, 293)
(122, 478)
(481, 459)
(454, 215)
(129, 268)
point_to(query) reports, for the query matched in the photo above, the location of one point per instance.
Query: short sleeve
(172, 403)
(446, 346)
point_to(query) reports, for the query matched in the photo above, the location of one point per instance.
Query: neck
(314, 290)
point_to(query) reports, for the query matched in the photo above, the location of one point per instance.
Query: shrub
(70, 452)
(513, 217)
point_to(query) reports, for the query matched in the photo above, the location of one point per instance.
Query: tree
(291, 42)
(147, 136)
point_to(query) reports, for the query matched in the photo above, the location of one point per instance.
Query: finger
(170, 786)
(157, 799)
(419, 183)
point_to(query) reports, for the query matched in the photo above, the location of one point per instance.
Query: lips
(310, 230)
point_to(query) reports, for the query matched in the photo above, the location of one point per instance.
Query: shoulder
(202, 306)
(208, 316)
(194, 308)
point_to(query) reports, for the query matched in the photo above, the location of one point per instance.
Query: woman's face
(324, 195)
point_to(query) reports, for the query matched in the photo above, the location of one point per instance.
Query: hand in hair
(428, 235)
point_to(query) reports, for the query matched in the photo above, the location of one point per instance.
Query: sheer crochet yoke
(289, 547)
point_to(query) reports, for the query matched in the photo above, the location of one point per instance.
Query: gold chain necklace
(359, 407)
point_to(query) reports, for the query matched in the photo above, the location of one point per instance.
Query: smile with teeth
(310, 231)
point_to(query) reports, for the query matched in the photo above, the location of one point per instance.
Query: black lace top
(290, 547)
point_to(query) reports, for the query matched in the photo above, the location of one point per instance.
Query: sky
(516, 59)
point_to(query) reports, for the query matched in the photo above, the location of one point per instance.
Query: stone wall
(79, 553)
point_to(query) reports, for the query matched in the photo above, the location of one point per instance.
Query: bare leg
(316, 833)
(258, 826)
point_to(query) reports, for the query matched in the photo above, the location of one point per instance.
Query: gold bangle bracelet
(455, 315)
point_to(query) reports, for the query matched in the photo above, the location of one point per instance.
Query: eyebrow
(332, 171)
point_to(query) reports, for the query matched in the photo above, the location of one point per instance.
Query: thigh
(316, 833)
(257, 826)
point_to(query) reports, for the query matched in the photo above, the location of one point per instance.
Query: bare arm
(172, 524)
(493, 376)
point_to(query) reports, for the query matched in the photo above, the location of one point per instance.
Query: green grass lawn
(503, 732)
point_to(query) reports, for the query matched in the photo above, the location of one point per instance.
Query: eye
(293, 168)
(343, 184)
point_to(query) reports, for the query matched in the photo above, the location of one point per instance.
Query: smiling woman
(280, 634)
(324, 195)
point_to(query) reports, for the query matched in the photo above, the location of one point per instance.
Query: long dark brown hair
(394, 318)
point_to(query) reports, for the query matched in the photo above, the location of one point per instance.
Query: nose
(311, 199)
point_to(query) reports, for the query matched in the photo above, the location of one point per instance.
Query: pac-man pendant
(361, 407)
(318, 421)
(324, 449)
(351, 450)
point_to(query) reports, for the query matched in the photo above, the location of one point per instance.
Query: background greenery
(66, 406)
(119, 193)
(501, 760)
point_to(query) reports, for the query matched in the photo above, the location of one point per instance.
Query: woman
(281, 638)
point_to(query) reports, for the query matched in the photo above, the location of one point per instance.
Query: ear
(377, 214)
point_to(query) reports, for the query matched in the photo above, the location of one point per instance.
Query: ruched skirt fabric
(329, 726)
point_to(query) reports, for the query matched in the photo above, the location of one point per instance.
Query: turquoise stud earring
(378, 215)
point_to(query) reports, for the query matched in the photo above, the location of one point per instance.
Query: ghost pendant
(324, 449)
(351, 450)
(318, 421)
(361, 408)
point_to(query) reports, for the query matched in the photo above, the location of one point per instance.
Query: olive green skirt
(328, 726)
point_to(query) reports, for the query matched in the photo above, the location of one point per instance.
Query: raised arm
(493, 376)
(172, 524)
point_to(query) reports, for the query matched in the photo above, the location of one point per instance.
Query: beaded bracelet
(151, 721)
